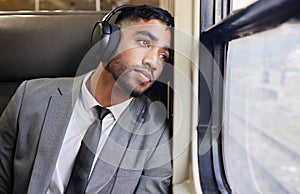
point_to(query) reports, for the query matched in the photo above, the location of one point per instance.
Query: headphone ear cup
(113, 43)
(109, 41)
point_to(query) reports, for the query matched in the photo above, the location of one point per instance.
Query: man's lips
(143, 74)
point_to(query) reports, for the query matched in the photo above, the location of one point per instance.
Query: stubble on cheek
(126, 78)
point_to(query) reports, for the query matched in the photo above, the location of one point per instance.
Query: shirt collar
(89, 101)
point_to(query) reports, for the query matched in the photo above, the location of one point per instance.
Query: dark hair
(145, 12)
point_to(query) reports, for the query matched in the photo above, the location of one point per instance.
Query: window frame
(215, 36)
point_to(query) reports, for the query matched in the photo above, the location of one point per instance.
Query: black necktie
(85, 157)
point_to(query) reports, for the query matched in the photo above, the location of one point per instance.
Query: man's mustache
(145, 69)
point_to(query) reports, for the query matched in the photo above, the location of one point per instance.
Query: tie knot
(102, 112)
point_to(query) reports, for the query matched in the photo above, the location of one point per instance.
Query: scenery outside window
(262, 112)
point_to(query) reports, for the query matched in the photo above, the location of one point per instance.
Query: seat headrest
(50, 44)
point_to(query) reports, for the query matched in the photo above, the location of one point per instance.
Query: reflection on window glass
(67, 5)
(238, 4)
(74, 5)
(16, 5)
(262, 112)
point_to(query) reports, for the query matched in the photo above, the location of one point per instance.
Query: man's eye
(144, 43)
(164, 57)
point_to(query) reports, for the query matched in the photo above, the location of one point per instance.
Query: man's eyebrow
(149, 34)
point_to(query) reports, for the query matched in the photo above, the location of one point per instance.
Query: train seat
(41, 44)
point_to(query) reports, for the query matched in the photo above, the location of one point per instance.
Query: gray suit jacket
(136, 158)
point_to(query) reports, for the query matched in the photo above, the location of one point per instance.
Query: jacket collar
(60, 106)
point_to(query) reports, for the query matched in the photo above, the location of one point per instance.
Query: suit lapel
(116, 145)
(55, 124)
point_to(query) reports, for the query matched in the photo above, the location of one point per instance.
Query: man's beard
(126, 86)
(122, 78)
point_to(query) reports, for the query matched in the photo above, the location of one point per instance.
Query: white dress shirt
(82, 117)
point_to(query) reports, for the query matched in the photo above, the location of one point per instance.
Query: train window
(74, 5)
(68, 5)
(17, 5)
(37, 5)
(253, 127)
(238, 4)
(262, 149)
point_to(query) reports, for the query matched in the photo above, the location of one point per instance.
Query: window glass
(17, 5)
(262, 112)
(238, 4)
(67, 5)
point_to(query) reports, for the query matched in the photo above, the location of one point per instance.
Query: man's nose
(151, 59)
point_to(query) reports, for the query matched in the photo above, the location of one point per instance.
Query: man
(45, 124)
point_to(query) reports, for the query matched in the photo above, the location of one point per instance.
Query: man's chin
(134, 91)
(135, 94)
(138, 91)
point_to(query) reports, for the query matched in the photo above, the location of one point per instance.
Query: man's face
(141, 55)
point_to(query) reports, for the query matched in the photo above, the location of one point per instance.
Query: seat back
(41, 44)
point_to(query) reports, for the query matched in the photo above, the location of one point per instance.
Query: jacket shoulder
(48, 85)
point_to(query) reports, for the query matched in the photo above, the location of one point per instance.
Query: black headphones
(109, 37)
